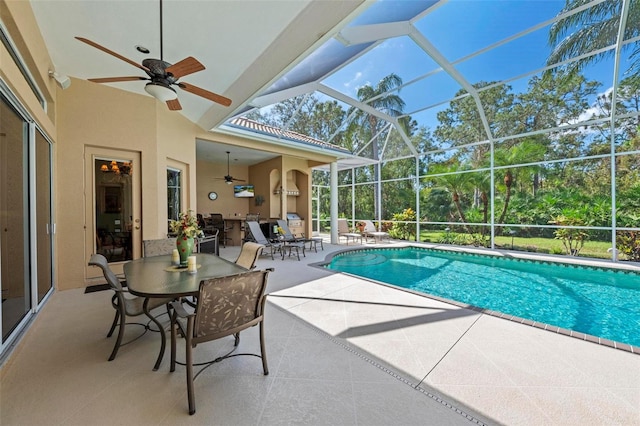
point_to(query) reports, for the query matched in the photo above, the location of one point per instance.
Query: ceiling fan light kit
(228, 179)
(161, 92)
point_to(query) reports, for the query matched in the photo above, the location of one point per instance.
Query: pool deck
(509, 372)
(342, 350)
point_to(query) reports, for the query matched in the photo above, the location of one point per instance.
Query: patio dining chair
(225, 307)
(158, 247)
(249, 255)
(125, 306)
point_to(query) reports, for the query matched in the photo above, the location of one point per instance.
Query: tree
(591, 29)
(365, 127)
(553, 100)
(525, 151)
(461, 123)
(456, 183)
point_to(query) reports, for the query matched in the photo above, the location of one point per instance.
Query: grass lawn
(595, 249)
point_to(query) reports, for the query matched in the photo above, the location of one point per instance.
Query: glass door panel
(113, 212)
(44, 224)
(113, 209)
(14, 268)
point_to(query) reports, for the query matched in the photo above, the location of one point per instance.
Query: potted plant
(360, 226)
(186, 229)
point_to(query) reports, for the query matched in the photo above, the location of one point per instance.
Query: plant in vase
(360, 226)
(186, 229)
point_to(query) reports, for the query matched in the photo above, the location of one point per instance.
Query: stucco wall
(91, 114)
(208, 175)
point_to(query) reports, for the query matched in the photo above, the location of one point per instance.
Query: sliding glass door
(15, 279)
(26, 219)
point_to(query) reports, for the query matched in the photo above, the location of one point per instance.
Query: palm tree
(456, 183)
(597, 27)
(482, 183)
(523, 152)
(383, 98)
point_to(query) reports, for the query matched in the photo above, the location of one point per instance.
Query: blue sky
(457, 29)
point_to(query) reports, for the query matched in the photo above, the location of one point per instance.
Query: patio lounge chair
(288, 235)
(258, 236)
(343, 231)
(371, 231)
(290, 241)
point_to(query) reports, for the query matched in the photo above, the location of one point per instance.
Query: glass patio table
(152, 277)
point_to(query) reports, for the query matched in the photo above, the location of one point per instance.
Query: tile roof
(254, 126)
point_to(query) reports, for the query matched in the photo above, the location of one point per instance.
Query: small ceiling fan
(162, 75)
(228, 179)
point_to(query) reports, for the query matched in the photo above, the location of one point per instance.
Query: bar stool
(227, 230)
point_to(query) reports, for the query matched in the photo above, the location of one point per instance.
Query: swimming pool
(596, 301)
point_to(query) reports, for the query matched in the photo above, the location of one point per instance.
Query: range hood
(292, 189)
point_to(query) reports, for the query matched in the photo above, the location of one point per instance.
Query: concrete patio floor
(341, 350)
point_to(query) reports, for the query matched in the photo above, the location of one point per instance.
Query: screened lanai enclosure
(504, 124)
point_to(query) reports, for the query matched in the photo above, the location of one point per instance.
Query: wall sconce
(259, 200)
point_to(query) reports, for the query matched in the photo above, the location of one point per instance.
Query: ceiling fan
(228, 179)
(162, 75)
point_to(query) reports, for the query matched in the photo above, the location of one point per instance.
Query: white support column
(416, 186)
(333, 201)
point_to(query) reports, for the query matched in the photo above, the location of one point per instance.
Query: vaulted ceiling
(244, 45)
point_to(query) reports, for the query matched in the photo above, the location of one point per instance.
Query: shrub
(628, 243)
(480, 240)
(572, 239)
(400, 229)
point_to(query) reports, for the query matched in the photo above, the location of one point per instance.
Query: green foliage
(572, 238)
(589, 30)
(400, 229)
(628, 243)
(454, 183)
(480, 240)
(629, 207)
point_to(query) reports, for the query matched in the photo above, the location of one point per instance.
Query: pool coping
(592, 263)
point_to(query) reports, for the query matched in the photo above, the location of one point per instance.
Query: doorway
(113, 207)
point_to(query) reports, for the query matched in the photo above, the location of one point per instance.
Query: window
(174, 193)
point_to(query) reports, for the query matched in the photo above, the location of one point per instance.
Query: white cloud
(348, 84)
(594, 110)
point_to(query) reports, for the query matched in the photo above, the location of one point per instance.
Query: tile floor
(341, 351)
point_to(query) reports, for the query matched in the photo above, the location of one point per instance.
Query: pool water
(600, 302)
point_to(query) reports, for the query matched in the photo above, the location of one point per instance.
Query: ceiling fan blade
(185, 67)
(238, 180)
(112, 53)
(174, 105)
(116, 79)
(205, 93)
